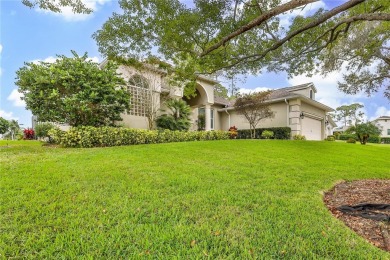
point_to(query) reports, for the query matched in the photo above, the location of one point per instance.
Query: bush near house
(267, 134)
(299, 137)
(88, 136)
(279, 133)
(330, 138)
(385, 140)
(42, 130)
(345, 137)
(233, 132)
(374, 139)
(351, 141)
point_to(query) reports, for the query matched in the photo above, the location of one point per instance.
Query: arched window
(140, 95)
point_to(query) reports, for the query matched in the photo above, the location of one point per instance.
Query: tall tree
(74, 90)
(254, 108)
(4, 125)
(349, 113)
(246, 37)
(78, 6)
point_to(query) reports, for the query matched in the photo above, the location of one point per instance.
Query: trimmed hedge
(347, 136)
(88, 136)
(374, 139)
(385, 140)
(279, 133)
(371, 139)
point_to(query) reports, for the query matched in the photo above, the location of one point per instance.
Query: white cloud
(15, 98)
(248, 90)
(52, 59)
(327, 91)
(7, 115)
(49, 59)
(381, 111)
(94, 59)
(286, 18)
(68, 15)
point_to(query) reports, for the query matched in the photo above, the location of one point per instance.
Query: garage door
(311, 128)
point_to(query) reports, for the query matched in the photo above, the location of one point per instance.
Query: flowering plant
(233, 132)
(28, 134)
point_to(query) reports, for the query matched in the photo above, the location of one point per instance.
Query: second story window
(140, 95)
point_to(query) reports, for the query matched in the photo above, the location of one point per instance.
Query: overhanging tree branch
(256, 22)
(323, 18)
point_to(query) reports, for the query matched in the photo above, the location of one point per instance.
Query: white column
(207, 118)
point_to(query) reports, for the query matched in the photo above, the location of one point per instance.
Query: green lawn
(218, 199)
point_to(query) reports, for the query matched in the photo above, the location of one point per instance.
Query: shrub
(374, 139)
(42, 130)
(267, 134)
(233, 132)
(279, 133)
(299, 137)
(346, 136)
(351, 141)
(385, 140)
(88, 136)
(28, 134)
(330, 138)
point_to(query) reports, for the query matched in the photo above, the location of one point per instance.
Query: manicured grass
(218, 199)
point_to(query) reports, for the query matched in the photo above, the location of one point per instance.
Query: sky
(32, 34)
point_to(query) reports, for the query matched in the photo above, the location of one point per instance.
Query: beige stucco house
(383, 123)
(294, 107)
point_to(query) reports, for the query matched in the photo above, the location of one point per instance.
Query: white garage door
(311, 128)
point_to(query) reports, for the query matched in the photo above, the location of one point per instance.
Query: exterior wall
(155, 81)
(279, 120)
(384, 125)
(305, 92)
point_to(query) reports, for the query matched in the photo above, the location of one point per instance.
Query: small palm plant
(178, 118)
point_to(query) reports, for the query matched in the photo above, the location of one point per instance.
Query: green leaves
(74, 90)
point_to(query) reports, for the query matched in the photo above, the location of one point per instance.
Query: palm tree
(13, 128)
(178, 118)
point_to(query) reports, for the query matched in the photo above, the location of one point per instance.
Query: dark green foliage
(279, 133)
(88, 136)
(74, 91)
(364, 131)
(385, 140)
(178, 118)
(4, 125)
(374, 139)
(238, 37)
(346, 136)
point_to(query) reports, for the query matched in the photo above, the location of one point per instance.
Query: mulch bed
(357, 192)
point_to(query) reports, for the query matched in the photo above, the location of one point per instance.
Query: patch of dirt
(357, 192)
